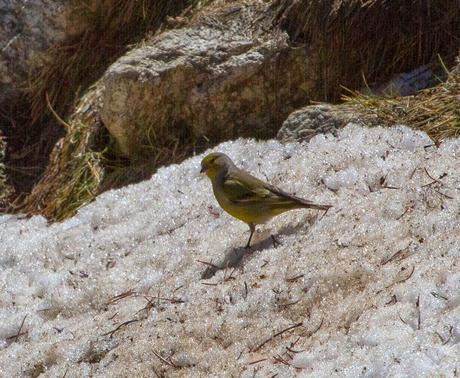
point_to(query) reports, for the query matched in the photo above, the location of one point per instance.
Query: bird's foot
(275, 241)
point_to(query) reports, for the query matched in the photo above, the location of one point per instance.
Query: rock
(28, 29)
(409, 83)
(305, 123)
(223, 76)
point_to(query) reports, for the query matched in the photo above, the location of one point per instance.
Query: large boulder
(27, 30)
(223, 76)
(51, 52)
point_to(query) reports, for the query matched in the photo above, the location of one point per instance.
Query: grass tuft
(375, 39)
(57, 98)
(435, 110)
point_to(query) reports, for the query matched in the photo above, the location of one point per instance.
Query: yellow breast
(255, 213)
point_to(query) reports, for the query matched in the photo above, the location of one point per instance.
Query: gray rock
(408, 83)
(27, 30)
(305, 123)
(224, 76)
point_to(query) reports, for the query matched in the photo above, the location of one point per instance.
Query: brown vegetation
(349, 40)
(64, 72)
(435, 110)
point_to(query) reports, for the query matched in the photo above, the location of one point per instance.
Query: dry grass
(352, 39)
(344, 46)
(435, 111)
(77, 166)
(64, 72)
(5, 188)
(69, 68)
(87, 162)
(75, 171)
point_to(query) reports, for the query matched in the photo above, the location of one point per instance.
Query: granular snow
(371, 288)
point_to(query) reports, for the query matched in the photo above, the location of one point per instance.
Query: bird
(247, 198)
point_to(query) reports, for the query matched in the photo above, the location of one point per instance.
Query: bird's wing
(242, 187)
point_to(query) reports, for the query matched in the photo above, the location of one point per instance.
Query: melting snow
(372, 288)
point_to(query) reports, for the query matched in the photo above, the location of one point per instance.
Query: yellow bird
(245, 197)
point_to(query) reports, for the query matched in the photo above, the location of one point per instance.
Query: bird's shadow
(234, 257)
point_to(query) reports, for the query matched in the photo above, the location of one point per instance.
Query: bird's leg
(252, 228)
(275, 241)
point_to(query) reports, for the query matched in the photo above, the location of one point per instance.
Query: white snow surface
(371, 288)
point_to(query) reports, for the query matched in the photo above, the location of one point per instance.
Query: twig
(293, 344)
(276, 335)
(437, 295)
(293, 279)
(58, 118)
(20, 327)
(177, 288)
(419, 315)
(405, 212)
(295, 351)
(124, 324)
(257, 361)
(431, 177)
(121, 296)
(443, 194)
(284, 305)
(401, 318)
(265, 263)
(169, 363)
(444, 342)
(317, 328)
(208, 264)
(324, 214)
(15, 337)
(399, 254)
(230, 277)
(278, 358)
(429, 184)
(390, 187)
(405, 279)
(171, 230)
(392, 301)
(398, 281)
(150, 304)
(170, 300)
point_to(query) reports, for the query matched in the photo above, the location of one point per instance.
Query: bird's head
(215, 163)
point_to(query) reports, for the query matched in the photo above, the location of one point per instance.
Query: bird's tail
(311, 205)
(291, 202)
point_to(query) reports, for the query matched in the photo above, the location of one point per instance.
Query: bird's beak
(202, 170)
